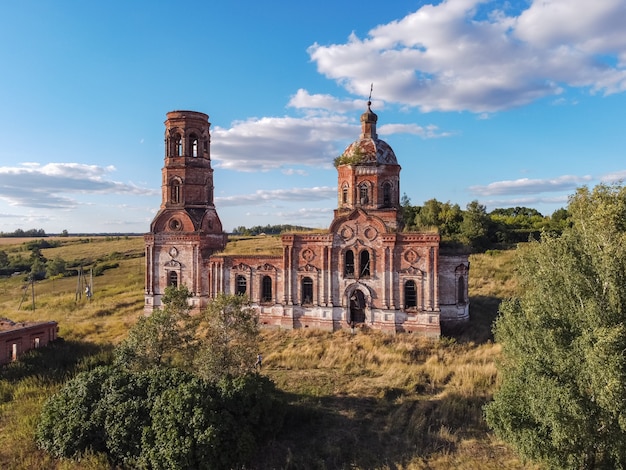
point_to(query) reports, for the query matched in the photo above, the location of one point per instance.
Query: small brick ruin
(16, 338)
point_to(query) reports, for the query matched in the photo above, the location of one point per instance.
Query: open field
(367, 400)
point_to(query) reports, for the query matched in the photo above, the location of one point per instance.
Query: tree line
(19, 233)
(268, 229)
(473, 226)
(478, 229)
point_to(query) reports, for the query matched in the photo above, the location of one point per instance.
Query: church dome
(368, 149)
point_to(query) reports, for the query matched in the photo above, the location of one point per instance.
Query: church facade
(364, 271)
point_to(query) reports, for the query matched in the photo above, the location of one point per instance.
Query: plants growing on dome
(355, 157)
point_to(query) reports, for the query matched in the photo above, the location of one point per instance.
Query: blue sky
(505, 102)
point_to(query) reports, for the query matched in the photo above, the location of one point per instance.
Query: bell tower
(369, 176)
(187, 229)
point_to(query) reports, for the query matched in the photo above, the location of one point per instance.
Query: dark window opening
(344, 196)
(461, 290)
(175, 192)
(364, 263)
(266, 289)
(410, 294)
(387, 194)
(363, 196)
(242, 285)
(307, 291)
(349, 264)
(172, 279)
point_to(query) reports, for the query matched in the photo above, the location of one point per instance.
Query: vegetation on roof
(355, 157)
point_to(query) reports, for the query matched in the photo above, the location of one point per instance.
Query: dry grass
(368, 400)
(257, 245)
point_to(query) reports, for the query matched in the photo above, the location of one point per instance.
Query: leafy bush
(99, 269)
(160, 418)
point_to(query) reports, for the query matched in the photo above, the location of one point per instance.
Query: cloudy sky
(505, 102)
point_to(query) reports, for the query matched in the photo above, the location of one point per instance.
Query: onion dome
(369, 149)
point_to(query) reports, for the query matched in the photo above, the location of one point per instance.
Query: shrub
(160, 418)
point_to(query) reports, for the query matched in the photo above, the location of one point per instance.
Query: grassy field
(367, 400)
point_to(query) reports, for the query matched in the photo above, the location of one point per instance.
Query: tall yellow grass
(368, 400)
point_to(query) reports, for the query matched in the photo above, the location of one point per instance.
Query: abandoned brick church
(363, 271)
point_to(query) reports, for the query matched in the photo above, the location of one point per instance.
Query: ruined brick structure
(363, 271)
(16, 338)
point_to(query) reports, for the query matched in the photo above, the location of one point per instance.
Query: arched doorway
(357, 307)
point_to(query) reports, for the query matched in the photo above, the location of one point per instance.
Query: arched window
(410, 294)
(172, 279)
(241, 285)
(266, 289)
(194, 145)
(364, 263)
(461, 290)
(175, 190)
(344, 195)
(349, 264)
(178, 145)
(307, 291)
(363, 196)
(387, 194)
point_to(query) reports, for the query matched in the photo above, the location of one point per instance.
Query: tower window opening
(344, 195)
(242, 285)
(410, 294)
(194, 145)
(364, 263)
(178, 145)
(172, 279)
(175, 190)
(349, 264)
(363, 196)
(266, 289)
(307, 291)
(387, 194)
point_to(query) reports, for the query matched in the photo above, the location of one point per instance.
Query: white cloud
(530, 186)
(293, 171)
(304, 100)
(270, 143)
(469, 55)
(429, 131)
(531, 201)
(320, 193)
(276, 142)
(615, 177)
(47, 186)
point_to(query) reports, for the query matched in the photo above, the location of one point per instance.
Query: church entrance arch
(357, 305)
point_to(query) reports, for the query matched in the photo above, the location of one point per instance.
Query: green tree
(428, 215)
(408, 212)
(4, 259)
(55, 267)
(227, 340)
(450, 220)
(160, 338)
(562, 398)
(475, 226)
